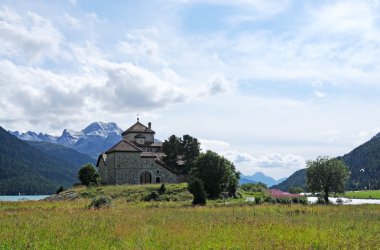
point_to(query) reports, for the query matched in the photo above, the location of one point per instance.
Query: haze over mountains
(92, 140)
(260, 177)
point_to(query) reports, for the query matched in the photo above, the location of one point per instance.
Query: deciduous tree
(327, 176)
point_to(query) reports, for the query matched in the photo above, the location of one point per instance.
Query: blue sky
(269, 84)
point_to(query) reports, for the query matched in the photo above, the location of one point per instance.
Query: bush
(253, 187)
(60, 189)
(153, 196)
(100, 202)
(88, 175)
(162, 189)
(195, 187)
(258, 200)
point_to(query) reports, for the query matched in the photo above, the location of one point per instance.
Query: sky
(268, 84)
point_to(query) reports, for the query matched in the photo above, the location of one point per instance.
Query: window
(158, 171)
(158, 180)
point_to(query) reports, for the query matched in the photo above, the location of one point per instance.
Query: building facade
(136, 159)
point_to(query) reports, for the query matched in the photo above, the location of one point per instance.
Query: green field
(178, 225)
(369, 194)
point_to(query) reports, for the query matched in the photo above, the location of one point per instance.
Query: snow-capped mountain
(94, 139)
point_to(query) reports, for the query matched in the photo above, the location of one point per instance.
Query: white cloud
(29, 36)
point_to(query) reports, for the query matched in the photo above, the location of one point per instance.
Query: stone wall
(131, 137)
(127, 167)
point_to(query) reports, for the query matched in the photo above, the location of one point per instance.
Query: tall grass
(176, 225)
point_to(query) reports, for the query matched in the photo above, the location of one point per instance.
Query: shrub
(195, 187)
(258, 200)
(88, 174)
(153, 196)
(162, 189)
(100, 202)
(253, 187)
(60, 189)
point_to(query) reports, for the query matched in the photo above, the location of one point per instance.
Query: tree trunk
(326, 196)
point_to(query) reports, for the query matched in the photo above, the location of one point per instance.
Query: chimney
(149, 125)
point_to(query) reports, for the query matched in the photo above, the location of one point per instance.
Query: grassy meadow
(368, 194)
(178, 225)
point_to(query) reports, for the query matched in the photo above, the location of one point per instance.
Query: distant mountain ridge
(259, 177)
(92, 140)
(36, 167)
(364, 165)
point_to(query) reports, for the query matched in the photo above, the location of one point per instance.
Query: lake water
(347, 201)
(23, 197)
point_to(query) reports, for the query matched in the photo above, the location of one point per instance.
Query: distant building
(136, 159)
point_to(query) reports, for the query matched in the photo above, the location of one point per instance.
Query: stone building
(136, 160)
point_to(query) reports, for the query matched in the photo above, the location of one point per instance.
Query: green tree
(327, 176)
(180, 153)
(196, 187)
(217, 174)
(172, 150)
(190, 150)
(88, 175)
(295, 190)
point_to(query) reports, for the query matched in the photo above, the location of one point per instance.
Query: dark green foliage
(326, 175)
(60, 189)
(180, 153)
(162, 189)
(296, 190)
(190, 150)
(88, 175)
(100, 202)
(298, 179)
(62, 153)
(153, 196)
(172, 150)
(364, 165)
(217, 174)
(258, 200)
(197, 189)
(254, 187)
(26, 170)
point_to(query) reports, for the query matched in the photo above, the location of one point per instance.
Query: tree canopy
(88, 174)
(327, 176)
(180, 153)
(217, 174)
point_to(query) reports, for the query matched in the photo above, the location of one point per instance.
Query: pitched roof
(161, 163)
(138, 128)
(124, 146)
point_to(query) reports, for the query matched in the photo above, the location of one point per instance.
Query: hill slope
(363, 162)
(297, 179)
(62, 153)
(27, 170)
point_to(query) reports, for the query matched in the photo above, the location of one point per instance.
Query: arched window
(145, 178)
(158, 180)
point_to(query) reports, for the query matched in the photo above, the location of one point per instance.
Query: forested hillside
(364, 165)
(25, 169)
(62, 153)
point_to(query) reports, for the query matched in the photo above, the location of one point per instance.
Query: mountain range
(260, 177)
(92, 140)
(363, 163)
(36, 167)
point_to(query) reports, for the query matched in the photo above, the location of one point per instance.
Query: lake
(22, 197)
(347, 201)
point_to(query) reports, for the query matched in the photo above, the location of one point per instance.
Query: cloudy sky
(269, 84)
